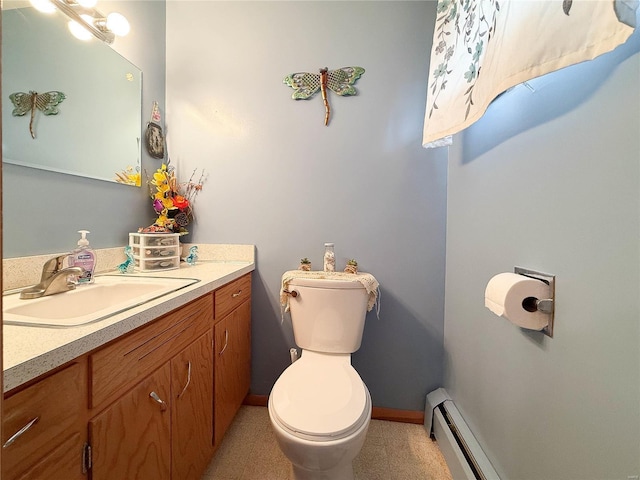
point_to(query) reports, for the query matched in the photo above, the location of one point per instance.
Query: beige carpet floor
(392, 451)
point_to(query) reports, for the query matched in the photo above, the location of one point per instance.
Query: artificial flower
(161, 221)
(158, 206)
(180, 202)
(164, 200)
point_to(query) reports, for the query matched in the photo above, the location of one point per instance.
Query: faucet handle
(63, 280)
(52, 266)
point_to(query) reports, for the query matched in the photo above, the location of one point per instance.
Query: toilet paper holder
(544, 305)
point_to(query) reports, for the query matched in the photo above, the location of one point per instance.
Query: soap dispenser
(83, 256)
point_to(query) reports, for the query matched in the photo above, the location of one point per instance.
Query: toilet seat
(320, 397)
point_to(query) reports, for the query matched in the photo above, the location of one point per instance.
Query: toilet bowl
(320, 411)
(319, 407)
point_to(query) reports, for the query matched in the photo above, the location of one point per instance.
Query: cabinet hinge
(86, 458)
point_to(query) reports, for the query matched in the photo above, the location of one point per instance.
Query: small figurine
(192, 258)
(129, 263)
(305, 264)
(352, 266)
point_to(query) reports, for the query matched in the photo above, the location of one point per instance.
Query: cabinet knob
(20, 432)
(163, 405)
(237, 294)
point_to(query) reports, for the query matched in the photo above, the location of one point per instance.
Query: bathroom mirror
(97, 132)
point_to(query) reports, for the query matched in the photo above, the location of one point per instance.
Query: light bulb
(78, 30)
(87, 3)
(44, 6)
(118, 24)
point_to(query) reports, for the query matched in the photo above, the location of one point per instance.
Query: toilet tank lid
(320, 399)
(330, 280)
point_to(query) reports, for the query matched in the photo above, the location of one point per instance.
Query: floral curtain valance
(483, 47)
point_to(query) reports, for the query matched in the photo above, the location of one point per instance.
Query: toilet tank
(328, 315)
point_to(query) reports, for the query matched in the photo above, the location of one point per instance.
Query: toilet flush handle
(291, 293)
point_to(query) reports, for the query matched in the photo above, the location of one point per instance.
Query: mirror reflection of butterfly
(45, 102)
(340, 81)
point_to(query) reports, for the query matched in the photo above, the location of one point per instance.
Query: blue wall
(550, 181)
(280, 179)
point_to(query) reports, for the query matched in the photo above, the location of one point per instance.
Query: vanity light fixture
(44, 6)
(85, 20)
(80, 31)
(118, 24)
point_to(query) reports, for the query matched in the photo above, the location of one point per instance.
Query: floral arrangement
(172, 200)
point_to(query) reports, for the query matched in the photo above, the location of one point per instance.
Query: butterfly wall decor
(341, 81)
(45, 102)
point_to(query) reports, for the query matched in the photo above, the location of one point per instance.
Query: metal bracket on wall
(544, 305)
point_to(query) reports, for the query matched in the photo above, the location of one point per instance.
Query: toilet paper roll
(511, 295)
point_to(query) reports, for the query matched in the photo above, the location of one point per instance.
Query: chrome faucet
(54, 279)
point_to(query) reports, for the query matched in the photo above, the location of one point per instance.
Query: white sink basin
(107, 296)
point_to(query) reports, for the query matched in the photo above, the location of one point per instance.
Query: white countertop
(32, 351)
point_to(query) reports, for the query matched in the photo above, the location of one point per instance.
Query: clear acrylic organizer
(155, 251)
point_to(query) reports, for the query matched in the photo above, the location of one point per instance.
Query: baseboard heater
(460, 449)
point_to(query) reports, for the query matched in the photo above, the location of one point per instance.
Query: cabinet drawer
(124, 363)
(232, 295)
(56, 402)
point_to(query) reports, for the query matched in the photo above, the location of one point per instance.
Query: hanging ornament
(154, 138)
(47, 103)
(340, 81)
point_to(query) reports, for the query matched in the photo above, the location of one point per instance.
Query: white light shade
(80, 32)
(44, 6)
(87, 3)
(118, 24)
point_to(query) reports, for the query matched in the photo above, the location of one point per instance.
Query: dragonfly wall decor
(341, 80)
(28, 102)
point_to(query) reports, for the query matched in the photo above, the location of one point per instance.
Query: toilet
(319, 407)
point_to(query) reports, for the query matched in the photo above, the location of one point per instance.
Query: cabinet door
(243, 356)
(232, 366)
(132, 438)
(192, 412)
(62, 462)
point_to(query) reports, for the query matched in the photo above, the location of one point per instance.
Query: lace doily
(367, 280)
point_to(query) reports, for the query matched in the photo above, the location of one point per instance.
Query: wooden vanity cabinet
(152, 404)
(232, 346)
(153, 389)
(53, 445)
